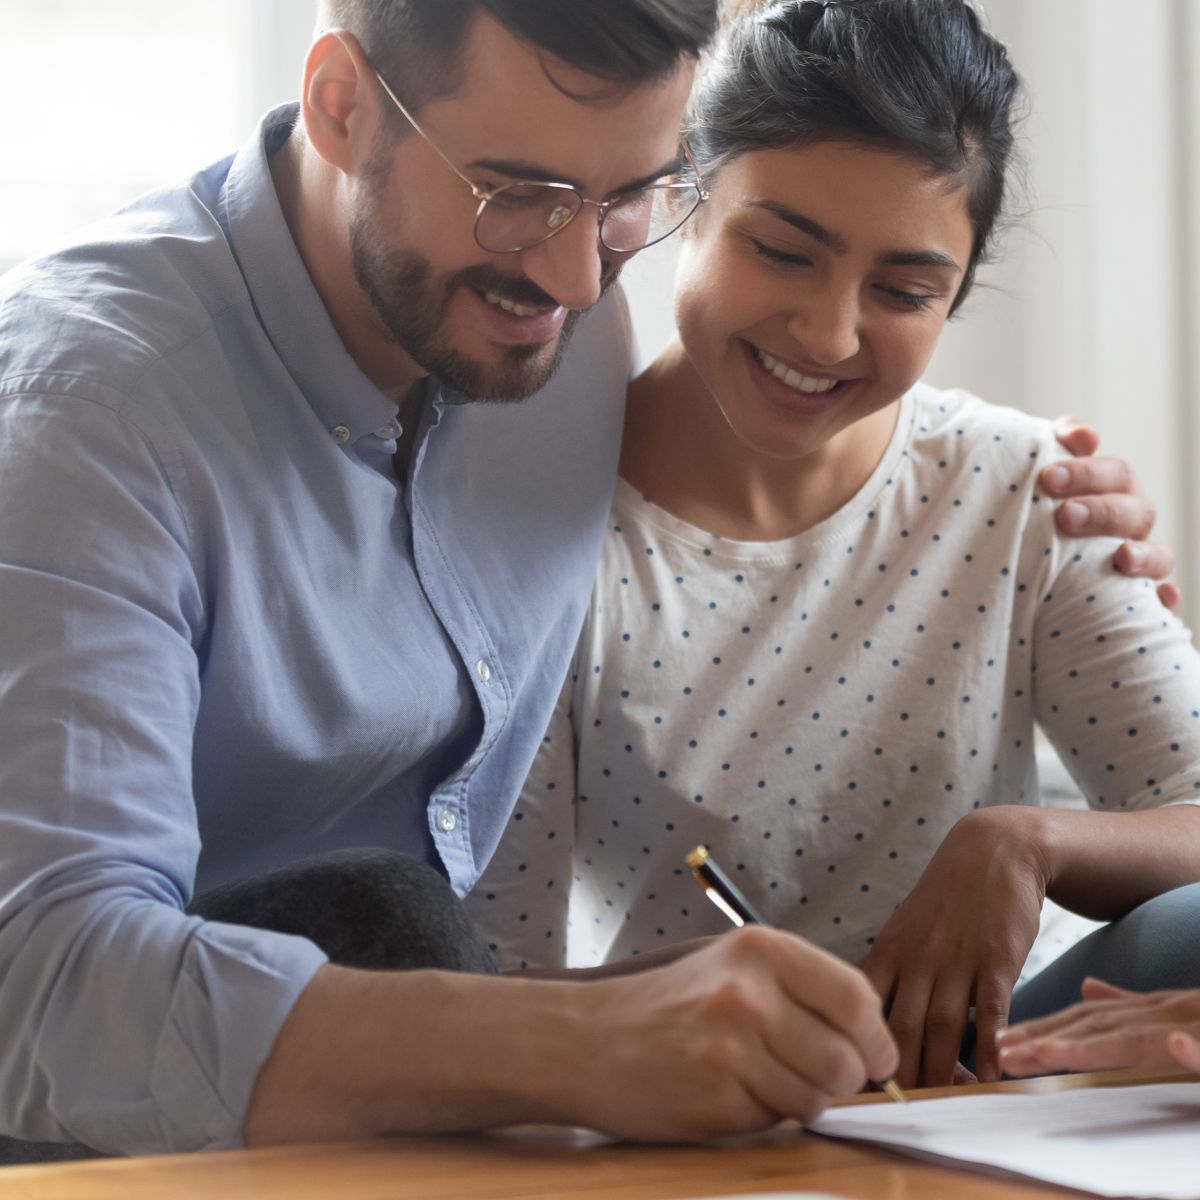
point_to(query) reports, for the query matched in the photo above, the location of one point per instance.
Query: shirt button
(341, 434)
(446, 820)
(484, 670)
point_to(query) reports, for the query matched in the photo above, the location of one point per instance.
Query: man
(279, 582)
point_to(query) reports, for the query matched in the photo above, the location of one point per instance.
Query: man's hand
(1104, 498)
(1111, 1028)
(753, 1027)
(757, 1026)
(960, 938)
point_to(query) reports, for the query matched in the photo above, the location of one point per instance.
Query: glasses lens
(648, 215)
(524, 214)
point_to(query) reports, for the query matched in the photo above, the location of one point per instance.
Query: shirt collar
(348, 404)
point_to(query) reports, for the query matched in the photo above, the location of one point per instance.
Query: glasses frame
(603, 207)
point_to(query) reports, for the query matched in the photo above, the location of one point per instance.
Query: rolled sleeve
(126, 1024)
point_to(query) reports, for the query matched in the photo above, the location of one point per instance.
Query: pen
(722, 891)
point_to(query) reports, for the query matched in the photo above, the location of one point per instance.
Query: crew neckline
(629, 499)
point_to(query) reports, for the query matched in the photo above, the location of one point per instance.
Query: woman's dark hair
(415, 43)
(918, 77)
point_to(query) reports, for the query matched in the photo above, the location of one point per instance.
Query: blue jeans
(1157, 945)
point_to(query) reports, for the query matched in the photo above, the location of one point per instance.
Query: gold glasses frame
(561, 216)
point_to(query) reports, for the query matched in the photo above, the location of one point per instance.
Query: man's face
(495, 325)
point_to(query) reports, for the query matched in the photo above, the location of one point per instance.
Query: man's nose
(570, 265)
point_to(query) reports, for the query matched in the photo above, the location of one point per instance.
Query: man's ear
(339, 101)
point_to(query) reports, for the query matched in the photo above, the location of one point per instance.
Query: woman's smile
(796, 391)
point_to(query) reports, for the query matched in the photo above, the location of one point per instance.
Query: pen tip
(697, 858)
(893, 1090)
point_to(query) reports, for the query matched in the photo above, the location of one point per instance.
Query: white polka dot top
(820, 711)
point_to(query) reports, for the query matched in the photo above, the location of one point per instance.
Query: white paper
(1114, 1141)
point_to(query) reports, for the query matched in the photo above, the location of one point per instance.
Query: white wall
(104, 99)
(1093, 309)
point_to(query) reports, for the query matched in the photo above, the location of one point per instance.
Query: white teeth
(793, 378)
(518, 310)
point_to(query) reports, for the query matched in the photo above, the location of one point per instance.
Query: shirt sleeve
(1116, 677)
(522, 898)
(127, 1024)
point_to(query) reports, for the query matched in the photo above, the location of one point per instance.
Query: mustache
(518, 289)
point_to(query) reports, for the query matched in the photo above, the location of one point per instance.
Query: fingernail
(1074, 514)
(1135, 556)
(1057, 478)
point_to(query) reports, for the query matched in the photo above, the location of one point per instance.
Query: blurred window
(104, 99)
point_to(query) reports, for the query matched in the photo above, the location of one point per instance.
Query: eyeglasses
(524, 213)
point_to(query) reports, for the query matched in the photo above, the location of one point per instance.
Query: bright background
(1092, 311)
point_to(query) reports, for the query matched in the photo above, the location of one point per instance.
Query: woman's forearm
(1102, 865)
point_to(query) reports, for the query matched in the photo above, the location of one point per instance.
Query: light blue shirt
(229, 638)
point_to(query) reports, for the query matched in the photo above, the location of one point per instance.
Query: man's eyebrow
(515, 169)
(836, 243)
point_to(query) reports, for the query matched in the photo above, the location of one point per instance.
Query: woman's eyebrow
(798, 220)
(838, 244)
(918, 258)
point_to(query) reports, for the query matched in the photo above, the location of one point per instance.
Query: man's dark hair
(414, 44)
(922, 78)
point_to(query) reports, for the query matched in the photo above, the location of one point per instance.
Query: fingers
(1184, 1049)
(945, 1023)
(1115, 514)
(1041, 1056)
(1076, 436)
(992, 1000)
(962, 1075)
(906, 1019)
(1088, 477)
(1112, 1027)
(843, 998)
(750, 1087)
(756, 1026)
(1100, 1051)
(1170, 596)
(812, 1064)
(1145, 560)
(780, 1092)
(1099, 989)
(1048, 1026)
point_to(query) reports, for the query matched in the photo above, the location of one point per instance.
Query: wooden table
(541, 1164)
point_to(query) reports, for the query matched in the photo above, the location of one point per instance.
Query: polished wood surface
(544, 1165)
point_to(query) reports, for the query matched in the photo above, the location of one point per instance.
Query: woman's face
(813, 286)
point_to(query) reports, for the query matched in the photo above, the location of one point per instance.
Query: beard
(413, 304)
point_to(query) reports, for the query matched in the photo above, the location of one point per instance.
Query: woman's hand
(1111, 1028)
(960, 939)
(1104, 498)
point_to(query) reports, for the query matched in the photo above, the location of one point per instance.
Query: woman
(832, 603)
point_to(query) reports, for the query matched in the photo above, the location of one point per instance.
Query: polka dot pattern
(820, 711)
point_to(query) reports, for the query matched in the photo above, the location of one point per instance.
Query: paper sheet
(1114, 1141)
